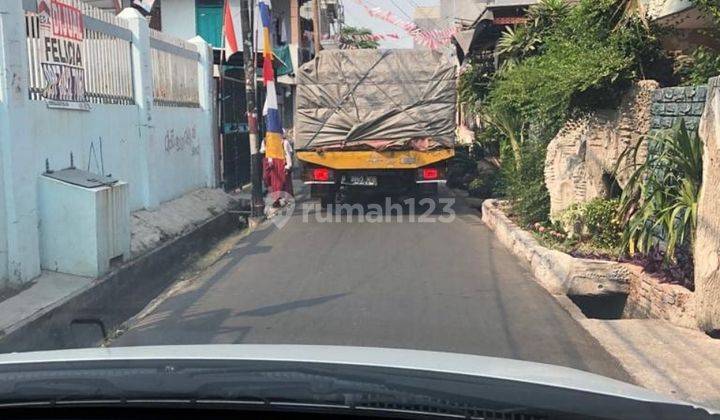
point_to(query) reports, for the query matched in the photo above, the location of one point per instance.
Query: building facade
(292, 38)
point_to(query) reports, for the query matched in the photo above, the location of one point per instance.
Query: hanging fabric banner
(273, 134)
(431, 39)
(361, 37)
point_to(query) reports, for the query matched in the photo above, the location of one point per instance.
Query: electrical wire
(432, 25)
(373, 4)
(428, 26)
(412, 3)
(401, 10)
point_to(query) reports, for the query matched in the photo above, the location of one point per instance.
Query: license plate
(368, 181)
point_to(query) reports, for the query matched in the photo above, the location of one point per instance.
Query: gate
(235, 140)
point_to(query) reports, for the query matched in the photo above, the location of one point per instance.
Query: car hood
(489, 372)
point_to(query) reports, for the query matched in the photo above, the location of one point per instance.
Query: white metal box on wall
(84, 222)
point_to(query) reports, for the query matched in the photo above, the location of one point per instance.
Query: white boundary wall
(161, 152)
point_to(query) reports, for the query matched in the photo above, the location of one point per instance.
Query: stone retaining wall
(648, 298)
(558, 272)
(583, 156)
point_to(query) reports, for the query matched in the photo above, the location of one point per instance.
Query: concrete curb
(84, 318)
(558, 272)
(562, 274)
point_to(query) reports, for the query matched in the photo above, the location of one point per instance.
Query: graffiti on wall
(175, 141)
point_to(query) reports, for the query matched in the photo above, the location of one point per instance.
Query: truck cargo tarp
(356, 98)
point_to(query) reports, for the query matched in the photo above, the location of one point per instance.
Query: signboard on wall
(61, 38)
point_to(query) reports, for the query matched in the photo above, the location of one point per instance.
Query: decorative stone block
(701, 93)
(697, 108)
(585, 151)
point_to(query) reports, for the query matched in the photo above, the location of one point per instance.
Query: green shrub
(566, 61)
(543, 88)
(595, 221)
(572, 220)
(483, 186)
(702, 64)
(524, 185)
(601, 220)
(589, 56)
(488, 140)
(473, 84)
(461, 169)
(351, 38)
(710, 8)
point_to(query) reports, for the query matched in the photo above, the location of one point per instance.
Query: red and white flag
(230, 39)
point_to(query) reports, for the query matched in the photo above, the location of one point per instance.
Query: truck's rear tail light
(321, 174)
(430, 173)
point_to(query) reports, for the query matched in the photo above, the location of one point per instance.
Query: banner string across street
(361, 37)
(433, 39)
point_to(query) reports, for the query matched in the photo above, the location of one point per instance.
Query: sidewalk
(671, 360)
(48, 291)
(675, 361)
(150, 230)
(174, 218)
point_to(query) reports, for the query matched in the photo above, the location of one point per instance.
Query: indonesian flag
(231, 44)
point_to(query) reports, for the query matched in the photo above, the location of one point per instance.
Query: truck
(378, 120)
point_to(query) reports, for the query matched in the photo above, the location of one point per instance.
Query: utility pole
(257, 206)
(316, 25)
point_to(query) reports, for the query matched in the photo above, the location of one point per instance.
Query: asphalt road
(429, 286)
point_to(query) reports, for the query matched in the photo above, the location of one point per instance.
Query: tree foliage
(350, 38)
(582, 62)
(567, 60)
(523, 41)
(701, 65)
(523, 183)
(473, 83)
(710, 8)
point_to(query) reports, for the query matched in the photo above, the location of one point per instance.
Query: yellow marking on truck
(368, 159)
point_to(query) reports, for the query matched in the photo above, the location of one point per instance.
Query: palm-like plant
(548, 12)
(473, 84)
(515, 44)
(524, 40)
(630, 11)
(659, 203)
(513, 128)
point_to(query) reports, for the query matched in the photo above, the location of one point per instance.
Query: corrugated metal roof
(494, 4)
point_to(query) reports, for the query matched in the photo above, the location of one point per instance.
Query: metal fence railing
(106, 55)
(106, 50)
(174, 71)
